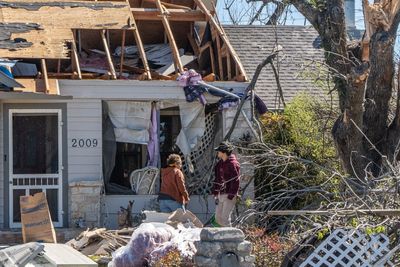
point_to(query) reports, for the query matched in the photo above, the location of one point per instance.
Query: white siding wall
(84, 119)
(241, 126)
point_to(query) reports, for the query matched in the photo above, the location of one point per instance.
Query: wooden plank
(55, 23)
(58, 65)
(223, 36)
(219, 54)
(171, 38)
(109, 59)
(379, 212)
(38, 85)
(229, 67)
(169, 5)
(44, 76)
(193, 44)
(140, 46)
(208, 45)
(121, 64)
(173, 14)
(75, 58)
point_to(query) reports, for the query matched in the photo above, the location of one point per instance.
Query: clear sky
(293, 17)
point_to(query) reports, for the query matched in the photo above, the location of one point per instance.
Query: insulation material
(144, 240)
(131, 120)
(182, 242)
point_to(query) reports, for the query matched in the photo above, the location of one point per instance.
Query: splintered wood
(55, 21)
(101, 242)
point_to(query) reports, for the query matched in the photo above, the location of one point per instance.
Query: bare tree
(363, 77)
(252, 11)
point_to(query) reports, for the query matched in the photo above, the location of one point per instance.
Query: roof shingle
(298, 63)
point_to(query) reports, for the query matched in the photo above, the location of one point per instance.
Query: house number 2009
(84, 142)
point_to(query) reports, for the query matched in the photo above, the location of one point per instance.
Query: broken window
(128, 157)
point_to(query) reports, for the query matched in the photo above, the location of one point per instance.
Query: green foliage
(305, 156)
(303, 129)
(322, 233)
(309, 129)
(318, 4)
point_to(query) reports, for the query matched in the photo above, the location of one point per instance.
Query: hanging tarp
(131, 121)
(193, 125)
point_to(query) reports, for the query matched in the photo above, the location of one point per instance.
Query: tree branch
(308, 11)
(273, 20)
(249, 88)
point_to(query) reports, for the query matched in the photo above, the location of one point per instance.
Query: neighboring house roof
(298, 64)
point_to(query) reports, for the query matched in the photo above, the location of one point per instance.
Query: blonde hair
(174, 159)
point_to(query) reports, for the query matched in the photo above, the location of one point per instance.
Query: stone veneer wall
(223, 247)
(85, 203)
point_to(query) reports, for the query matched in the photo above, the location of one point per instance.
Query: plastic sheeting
(131, 120)
(144, 240)
(182, 242)
(153, 147)
(193, 126)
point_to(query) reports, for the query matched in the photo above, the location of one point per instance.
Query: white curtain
(193, 126)
(131, 120)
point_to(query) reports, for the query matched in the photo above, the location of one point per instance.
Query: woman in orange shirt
(173, 194)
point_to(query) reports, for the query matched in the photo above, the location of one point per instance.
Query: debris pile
(101, 242)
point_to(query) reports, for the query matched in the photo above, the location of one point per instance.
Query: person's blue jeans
(169, 205)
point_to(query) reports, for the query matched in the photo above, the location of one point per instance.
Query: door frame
(60, 109)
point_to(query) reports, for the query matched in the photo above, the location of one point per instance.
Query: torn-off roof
(41, 29)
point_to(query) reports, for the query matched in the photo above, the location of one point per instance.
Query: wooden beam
(76, 59)
(172, 43)
(173, 14)
(222, 34)
(108, 55)
(121, 64)
(139, 44)
(193, 44)
(379, 212)
(169, 5)
(206, 46)
(44, 76)
(58, 65)
(228, 67)
(220, 63)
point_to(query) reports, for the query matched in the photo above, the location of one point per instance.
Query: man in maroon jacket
(226, 184)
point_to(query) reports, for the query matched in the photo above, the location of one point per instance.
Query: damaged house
(91, 106)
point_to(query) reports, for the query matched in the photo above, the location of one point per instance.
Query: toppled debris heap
(152, 243)
(101, 242)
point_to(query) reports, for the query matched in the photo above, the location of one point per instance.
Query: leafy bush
(299, 158)
(268, 250)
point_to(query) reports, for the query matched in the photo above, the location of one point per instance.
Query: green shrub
(303, 155)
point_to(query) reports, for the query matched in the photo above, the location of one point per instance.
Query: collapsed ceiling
(135, 39)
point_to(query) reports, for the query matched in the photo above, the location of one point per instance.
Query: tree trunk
(362, 134)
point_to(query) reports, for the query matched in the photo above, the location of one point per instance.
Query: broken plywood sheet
(41, 29)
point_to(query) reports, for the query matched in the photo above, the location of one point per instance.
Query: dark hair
(225, 147)
(173, 159)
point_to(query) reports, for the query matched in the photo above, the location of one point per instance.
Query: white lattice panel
(349, 248)
(202, 159)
